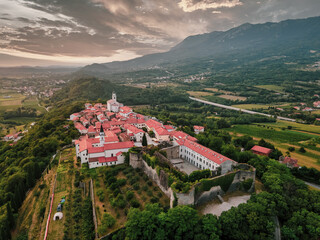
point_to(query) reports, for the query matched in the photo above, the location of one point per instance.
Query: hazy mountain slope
(288, 36)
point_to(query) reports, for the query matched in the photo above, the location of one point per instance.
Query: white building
(134, 133)
(97, 153)
(113, 105)
(198, 129)
(203, 157)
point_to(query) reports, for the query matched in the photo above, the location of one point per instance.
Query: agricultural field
(198, 94)
(10, 100)
(232, 97)
(116, 190)
(274, 88)
(218, 90)
(295, 126)
(258, 106)
(282, 138)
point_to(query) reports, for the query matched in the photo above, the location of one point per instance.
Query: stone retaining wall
(192, 198)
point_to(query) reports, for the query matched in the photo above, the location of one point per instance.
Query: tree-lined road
(240, 109)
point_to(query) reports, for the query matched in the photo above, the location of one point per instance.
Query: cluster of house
(303, 106)
(108, 131)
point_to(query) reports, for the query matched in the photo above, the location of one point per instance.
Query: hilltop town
(109, 130)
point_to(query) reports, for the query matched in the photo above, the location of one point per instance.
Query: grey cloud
(102, 27)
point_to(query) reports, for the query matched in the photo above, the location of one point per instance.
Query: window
(111, 154)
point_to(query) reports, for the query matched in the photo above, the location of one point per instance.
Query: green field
(283, 139)
(281, 136)
(274, 88)
(295, 126)
(257, 106)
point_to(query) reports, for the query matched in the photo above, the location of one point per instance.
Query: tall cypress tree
(10, 218)
(144, 140)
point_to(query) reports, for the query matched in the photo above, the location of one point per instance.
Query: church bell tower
(114, 96)
(101, 136)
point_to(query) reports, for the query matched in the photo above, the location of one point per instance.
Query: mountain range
(248, 42)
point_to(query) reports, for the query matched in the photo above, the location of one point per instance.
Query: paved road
(313, 185)
(240, 109)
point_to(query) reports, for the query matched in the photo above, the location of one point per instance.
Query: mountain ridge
(293, 33)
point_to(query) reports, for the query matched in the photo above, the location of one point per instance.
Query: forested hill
(291, 37)
(93, 89)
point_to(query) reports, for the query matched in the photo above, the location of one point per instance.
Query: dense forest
(22, 164)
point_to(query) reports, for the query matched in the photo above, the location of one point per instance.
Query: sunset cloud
(87, 31)
(193, 5)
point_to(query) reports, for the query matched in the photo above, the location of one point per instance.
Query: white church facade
(113, 105)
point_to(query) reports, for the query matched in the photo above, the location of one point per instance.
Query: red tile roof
(168, 127)
(125, 109)
(133, 129)
(260, 149)
(153, 123)
(79, 126)
(161, 131)
(111, 146)
(110, 136)
(119, 153)
(198, 127)
(107, 159)
(290, 161)
(179, 135)
(91, 129)
(206, 152)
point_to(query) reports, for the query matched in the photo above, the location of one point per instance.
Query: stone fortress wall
(193, 197)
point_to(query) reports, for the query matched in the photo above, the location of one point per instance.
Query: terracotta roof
(260, 149)
(133, 129)
(168, 127)
(291, 161)
(179, 135)
(198, 127)
(161, 131)
(111, 146)
(206, 152)
(119, 153)
(125, 109)
(79, 126)
(153, 123)
(91, 129)
(110, 136)
(107, 159)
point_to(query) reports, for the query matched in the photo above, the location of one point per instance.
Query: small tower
(101, 136)
(114, 96)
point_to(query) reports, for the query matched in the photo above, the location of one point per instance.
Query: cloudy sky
(80, 32)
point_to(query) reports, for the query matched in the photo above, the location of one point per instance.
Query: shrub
(159, 194)
(145, 178)
(134, 203)
(154, 200)
(145, 188)
(291, 149)
(101, 195)
(149, 193)
(149, 183)
(136, 186)
(302, 150)
(129, 195)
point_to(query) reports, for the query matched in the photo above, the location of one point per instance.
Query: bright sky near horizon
(80, 32)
